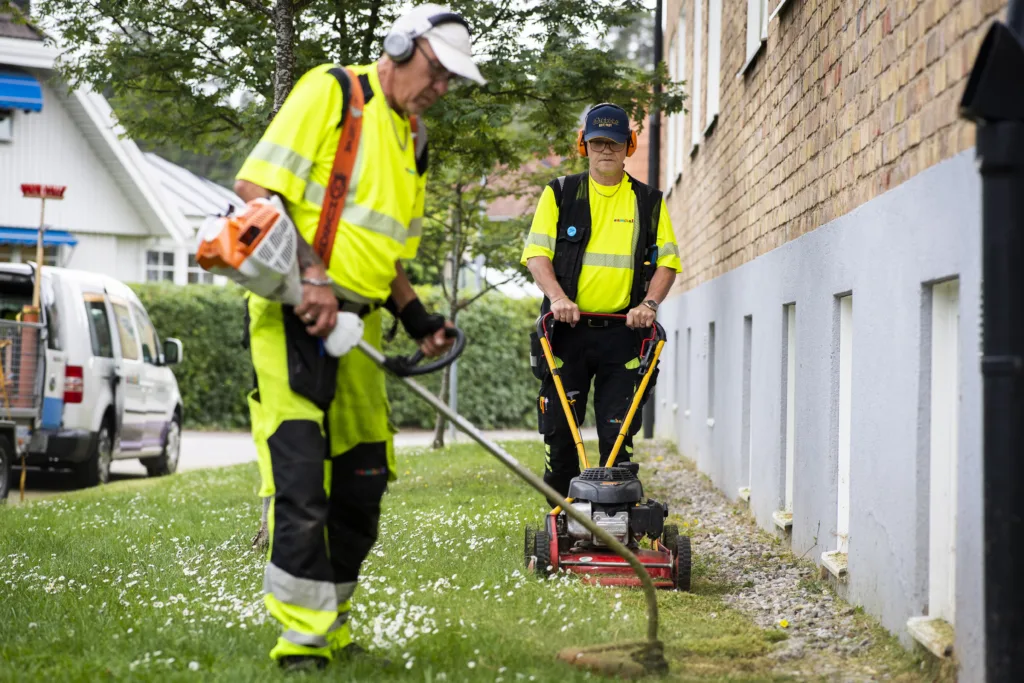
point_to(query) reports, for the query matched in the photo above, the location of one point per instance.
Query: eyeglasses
(600, 145)
(438, 74)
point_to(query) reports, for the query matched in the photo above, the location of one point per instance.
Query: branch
(485, 290)
(498, 15)
(256, 6)
(301, 5)
(341, 26)
(368, 38)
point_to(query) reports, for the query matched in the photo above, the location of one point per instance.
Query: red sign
(30, 191)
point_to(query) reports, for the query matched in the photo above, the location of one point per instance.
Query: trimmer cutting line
(630, 659)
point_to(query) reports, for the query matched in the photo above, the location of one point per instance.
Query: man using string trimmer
(343, 161)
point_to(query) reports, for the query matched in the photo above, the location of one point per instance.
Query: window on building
(844, 395)
(681, 70)
(757, 30)
(196, 275)
(674, 74)
(746, 443)
(714, 62)
(23, 253)
(687, 384)
(711, 374)
(126, 332)
(789, 403)
(698, 69)
(159, 266)
(944, 438)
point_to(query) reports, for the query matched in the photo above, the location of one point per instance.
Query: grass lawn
(155, 580)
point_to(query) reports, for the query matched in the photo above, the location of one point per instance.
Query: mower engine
(611, 496)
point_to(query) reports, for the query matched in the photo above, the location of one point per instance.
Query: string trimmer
(629, 659)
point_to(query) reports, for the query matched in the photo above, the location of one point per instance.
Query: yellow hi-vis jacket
(383, 217)
(606, 278)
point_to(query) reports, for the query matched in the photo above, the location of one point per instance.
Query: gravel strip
(770, 584)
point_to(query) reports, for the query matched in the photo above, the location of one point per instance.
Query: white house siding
(50, 148)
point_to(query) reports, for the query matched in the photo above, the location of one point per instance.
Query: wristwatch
(651, 304)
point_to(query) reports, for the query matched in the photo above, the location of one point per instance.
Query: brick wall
(844, 101)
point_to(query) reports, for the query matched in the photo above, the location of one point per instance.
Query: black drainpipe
(654, 178)
(994, 101)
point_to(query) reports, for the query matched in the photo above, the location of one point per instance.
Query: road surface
(201, 450)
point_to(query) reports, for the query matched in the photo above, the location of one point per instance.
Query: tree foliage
(206, 75)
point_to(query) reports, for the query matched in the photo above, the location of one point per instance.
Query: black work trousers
(608, 356)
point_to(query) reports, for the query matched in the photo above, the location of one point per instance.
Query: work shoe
(297, 663)
(354, 652)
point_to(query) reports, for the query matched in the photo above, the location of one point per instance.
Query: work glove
(418, 323)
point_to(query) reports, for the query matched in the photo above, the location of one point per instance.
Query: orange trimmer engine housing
(256, 248)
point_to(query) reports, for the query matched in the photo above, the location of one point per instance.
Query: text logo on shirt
(622, 220)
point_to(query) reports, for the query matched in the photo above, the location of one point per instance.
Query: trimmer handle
(409, 366)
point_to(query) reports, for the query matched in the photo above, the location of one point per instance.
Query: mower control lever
(650, 345)
(409, 366)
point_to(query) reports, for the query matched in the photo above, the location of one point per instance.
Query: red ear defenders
(630, 143)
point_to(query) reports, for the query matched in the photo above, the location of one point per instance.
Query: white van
(102, 388)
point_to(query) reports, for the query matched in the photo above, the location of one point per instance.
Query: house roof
(12, 26)
(193, 196)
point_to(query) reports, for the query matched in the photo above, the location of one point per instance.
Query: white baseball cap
(449, 40)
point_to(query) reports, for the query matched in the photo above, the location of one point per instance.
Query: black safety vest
(572, 194)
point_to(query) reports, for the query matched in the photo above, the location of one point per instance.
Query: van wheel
(6, 463)
(167, 462)
(95, 469)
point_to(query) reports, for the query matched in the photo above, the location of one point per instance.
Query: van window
(52, 327)
(126, 333)
(150, 342)
(99, 326)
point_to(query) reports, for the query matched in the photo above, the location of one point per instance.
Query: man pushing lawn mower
(602, 243)
(602, 250)
(344, 160)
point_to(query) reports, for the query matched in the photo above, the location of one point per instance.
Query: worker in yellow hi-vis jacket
(601, 242)
(321, 423)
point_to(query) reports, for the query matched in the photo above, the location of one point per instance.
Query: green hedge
(216, 373)
(496, 387)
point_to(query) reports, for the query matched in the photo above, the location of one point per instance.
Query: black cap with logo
(606, 121)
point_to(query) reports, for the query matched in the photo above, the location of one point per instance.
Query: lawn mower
(612, 497)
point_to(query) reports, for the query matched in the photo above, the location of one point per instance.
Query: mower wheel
(668, 537)
(528, 539)
(682, 564)
(542, 549)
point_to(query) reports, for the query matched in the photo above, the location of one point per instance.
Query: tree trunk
(284, 51)
(283, 15)
(439, 422)
(453, 303)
